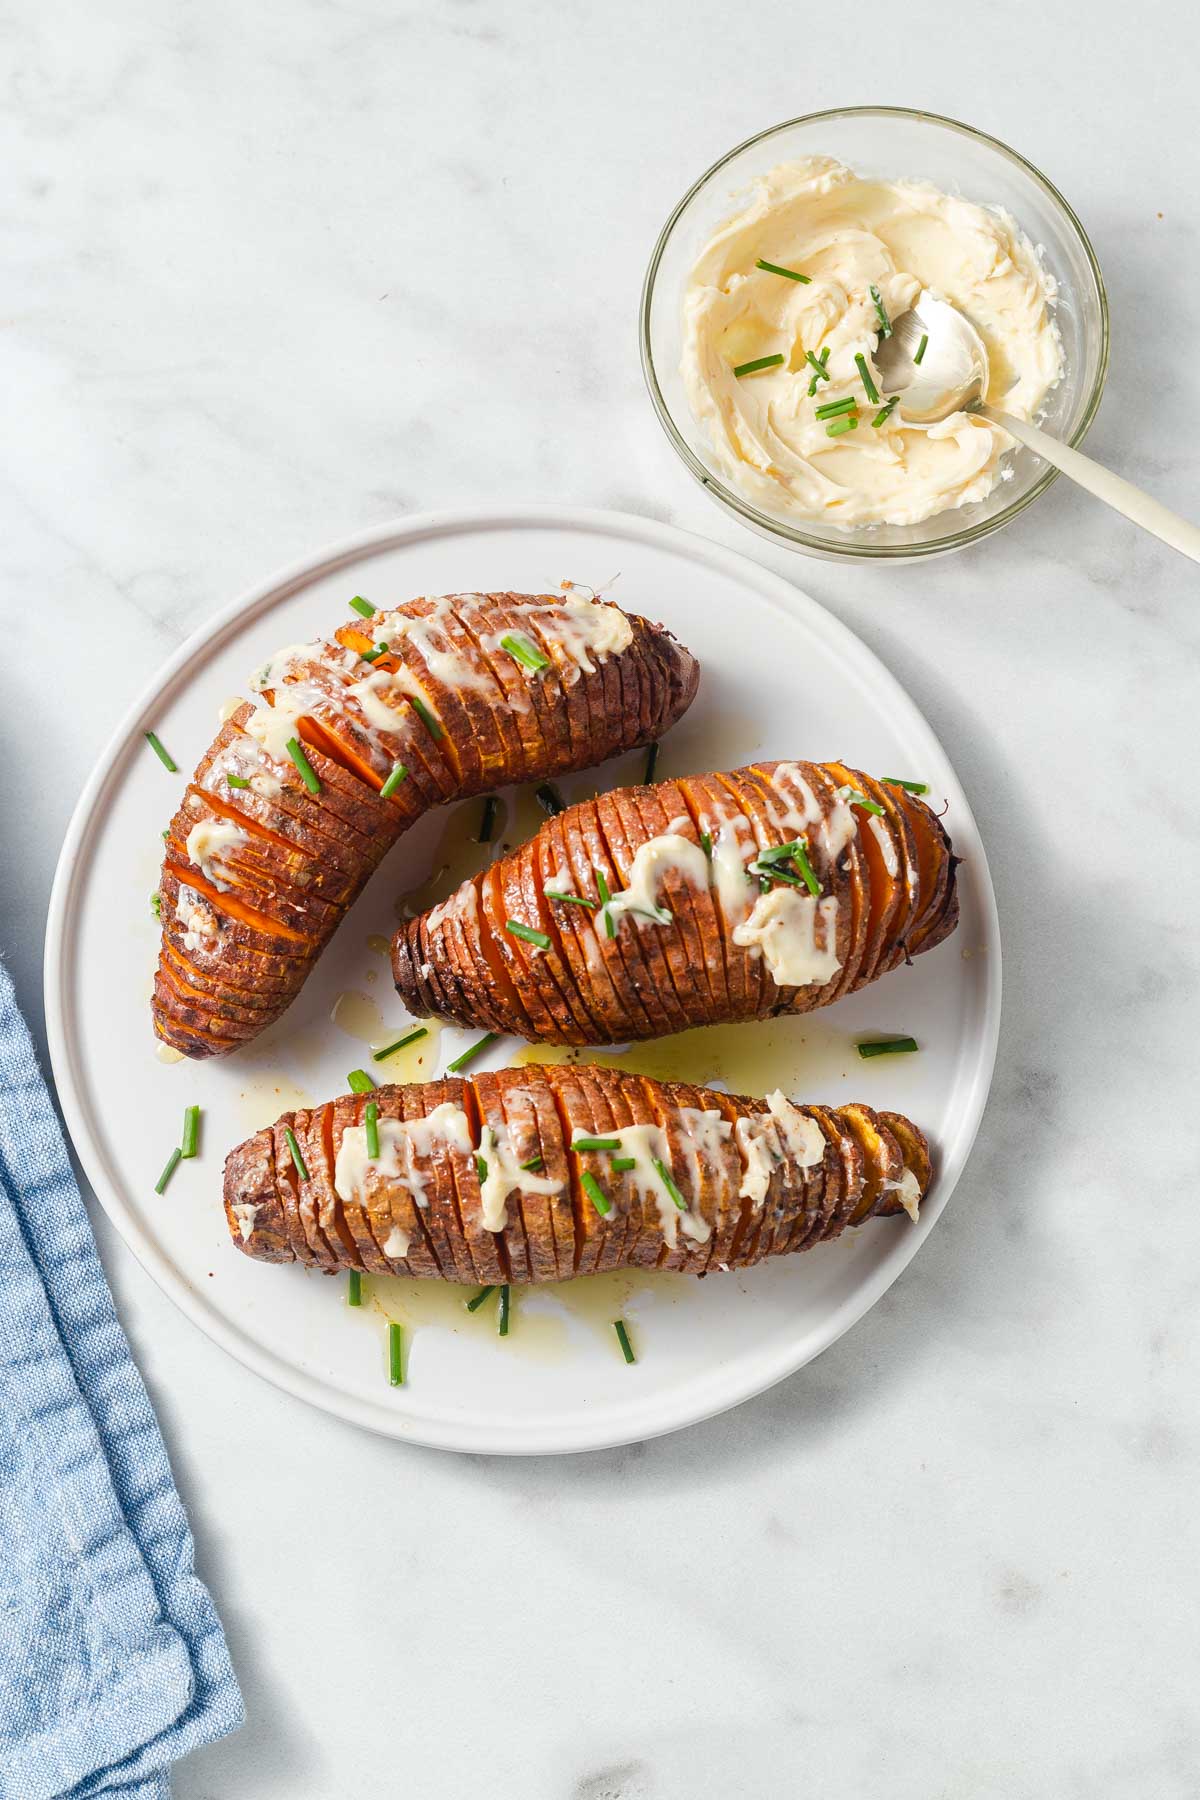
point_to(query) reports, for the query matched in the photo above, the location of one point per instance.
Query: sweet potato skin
(259, 869)
(537, 1113)
(880, 857)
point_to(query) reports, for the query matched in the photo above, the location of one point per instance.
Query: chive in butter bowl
(881, 145)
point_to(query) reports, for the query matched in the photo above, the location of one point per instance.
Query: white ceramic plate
(781, 678)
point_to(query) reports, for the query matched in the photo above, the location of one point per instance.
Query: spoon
(952, 376)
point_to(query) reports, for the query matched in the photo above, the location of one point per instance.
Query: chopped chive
(769, 872)
(854, 798)
(885, 324)
(293, 1146)
(535, 1162)
(887, 1046)
(800, 858)
(410, 1037)
(307, 773)
(774, 269)
(156, 905)
(839, 427)
(474, 1304)
(623, 1340)
(571, 899)
(871, 390)
(165, 836)
(237, 781)
(359, 1082)
(885, 412)
(191, 1131)
(528, 933)
(549, 800)
(503, 1310)
(832, 408)
(778, 853)
(481, 1169)
(397, 775)
(665, 1176)
(371, 1126)
(395, 1354)
(620, 1165)
(172, 1164)
(921, 348)
(651, 765)
(760, 362)
(373, 656)
(706, 843)
(595, 1143)
(764, 884)
(432, 725)
(817, 363)
(487, 823)
(602, 887)
(167, 762)
(910, 787)
(524, 651)
(822, 360)
(363, 606)
(469, 1055)
(595, 1193)
(354, 1288)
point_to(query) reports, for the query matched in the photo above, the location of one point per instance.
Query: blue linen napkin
(112, 1659)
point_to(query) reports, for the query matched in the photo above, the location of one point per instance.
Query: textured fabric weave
(112, 1659)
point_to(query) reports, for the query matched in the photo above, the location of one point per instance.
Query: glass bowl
(897, 144)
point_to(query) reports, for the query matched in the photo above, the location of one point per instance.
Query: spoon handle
(1122, 495)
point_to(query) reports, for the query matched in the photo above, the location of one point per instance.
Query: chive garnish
(371, 1126)
(432, 725)
(871, 390)
(595, 1193)
(354, 1288)
(359, 1082)
(165, 836)
(764, 884)
(854, 798)
(156, 905)
(910, 787)
(778, 853)
(395, 1354)
(481, 1169)
(665, 1176)
(769, 872)
(595, 1143)
(602, 887)
(548, 799)
(293, 1146)
(535, 1162)
(363, 606)
(528, 933)
(172, 1165)
(832, 408)
(474, 1304)
(760, 362)
(167, 762)
(237, 781)
(397, 775)
(502, 1314)
(410, 1037)
(307, 773)
(373, 656)
(469, 1055)
(839, 427)
(921, 348)
(885, 324)
(571, 899)
(885, 412)
(820, 372)
(800, 858)
(621, 1164)
(191, 1131)
(774, 269)
(706, 843)
(651, 765)
(524, 651)
(623, 1340)
(487, 823)
(887, 1046)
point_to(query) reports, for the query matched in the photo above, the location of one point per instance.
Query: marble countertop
(277, 273)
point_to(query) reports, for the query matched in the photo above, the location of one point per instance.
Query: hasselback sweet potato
(350, 742)
(540, 1174)
(774, 888)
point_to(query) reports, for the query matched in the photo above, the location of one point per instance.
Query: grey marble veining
(276, 273)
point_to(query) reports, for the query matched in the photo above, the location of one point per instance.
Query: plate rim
(778, 592)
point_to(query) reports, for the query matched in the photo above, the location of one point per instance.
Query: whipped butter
(847, 235)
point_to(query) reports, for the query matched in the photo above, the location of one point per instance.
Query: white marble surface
(276, 272)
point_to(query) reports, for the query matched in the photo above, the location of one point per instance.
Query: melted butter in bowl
(847, 236)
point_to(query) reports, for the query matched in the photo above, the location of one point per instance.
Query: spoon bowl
(952, 374)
